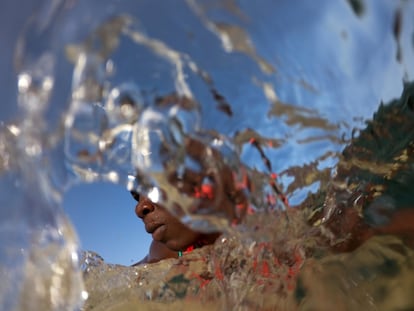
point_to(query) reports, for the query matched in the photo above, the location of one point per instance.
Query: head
(166, 228)
(214, 186)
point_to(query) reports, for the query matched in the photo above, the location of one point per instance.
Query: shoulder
(157, 252)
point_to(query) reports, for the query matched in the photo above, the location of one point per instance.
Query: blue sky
(103, 215)
(341, 70)
(351, 73)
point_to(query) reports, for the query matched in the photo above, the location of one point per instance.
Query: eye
(135, 195)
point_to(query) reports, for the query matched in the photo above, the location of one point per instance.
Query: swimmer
(171, 238)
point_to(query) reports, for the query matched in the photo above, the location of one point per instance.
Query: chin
(173, 246)
(177, 245)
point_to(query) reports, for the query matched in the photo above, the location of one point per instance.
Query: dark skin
(347, 222)
(157, 252)
(400, 223)
(171, 236)
(168, 233)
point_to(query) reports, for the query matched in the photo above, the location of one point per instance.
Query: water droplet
(84, 295)
(124, 104)
(24, 82)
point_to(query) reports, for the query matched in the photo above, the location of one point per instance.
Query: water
(305, 112)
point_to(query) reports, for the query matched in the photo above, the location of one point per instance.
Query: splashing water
(223, 112)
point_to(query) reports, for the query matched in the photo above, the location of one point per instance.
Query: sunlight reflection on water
(140, 94)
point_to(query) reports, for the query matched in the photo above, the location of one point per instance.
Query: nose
(144, 207)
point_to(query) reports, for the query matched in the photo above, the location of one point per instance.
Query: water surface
(313, 104)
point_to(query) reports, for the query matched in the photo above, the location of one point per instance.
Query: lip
(151, 227)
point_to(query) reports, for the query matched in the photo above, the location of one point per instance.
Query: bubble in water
(124, 104)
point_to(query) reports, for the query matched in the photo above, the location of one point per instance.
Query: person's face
(163, 226)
